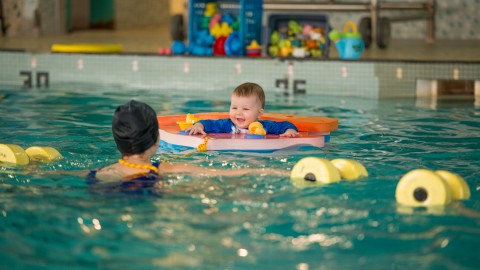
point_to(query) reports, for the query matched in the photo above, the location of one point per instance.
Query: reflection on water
(448, 102)
(252, 222)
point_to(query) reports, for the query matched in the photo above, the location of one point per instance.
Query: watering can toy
(349, 44)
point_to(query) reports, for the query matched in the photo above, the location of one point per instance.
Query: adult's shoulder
(109, 173)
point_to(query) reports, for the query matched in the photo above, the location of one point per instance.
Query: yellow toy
(210, 9)
(15, 155)
(254, 49)
(190, 119)
(256, 128)
(254, 45)
(221, 30)
(423, 187)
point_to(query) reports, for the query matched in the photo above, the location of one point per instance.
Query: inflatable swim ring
(314, 130)
(87, 48)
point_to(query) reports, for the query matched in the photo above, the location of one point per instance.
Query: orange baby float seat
(314, 131)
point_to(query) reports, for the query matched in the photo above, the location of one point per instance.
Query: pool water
(51, 219)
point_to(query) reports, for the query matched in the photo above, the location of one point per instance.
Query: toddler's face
(245, 110)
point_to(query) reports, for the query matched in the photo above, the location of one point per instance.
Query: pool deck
(149, 40)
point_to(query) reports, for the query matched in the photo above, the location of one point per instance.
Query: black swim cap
(134, 127)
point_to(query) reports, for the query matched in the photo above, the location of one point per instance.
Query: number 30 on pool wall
(42, 78)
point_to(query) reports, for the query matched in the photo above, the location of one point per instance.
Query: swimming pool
(52, 220)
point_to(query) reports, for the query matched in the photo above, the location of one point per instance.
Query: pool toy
(204, 38)
(256, 131)
(221, 30)
(254, 49)
(297, 35)
(220, 39)
(214, 20)
(164, 51)
(299, 52)
(202, 43)
(275, 38)
(190, 119)
(221, 19)
(307, 29)
(87, 48)
(230, 20)
(317, 35)
(178, 47)
(422, 187)
(210, 9)
(294, 27)
(256, 128)
(314, 131)
(349, 44)
(16, 155)
(219, 46)
(273, 51)
(205, 22)
(312, 171)
(233, 45)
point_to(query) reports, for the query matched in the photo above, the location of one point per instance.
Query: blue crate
(278, 20)
(249, 11)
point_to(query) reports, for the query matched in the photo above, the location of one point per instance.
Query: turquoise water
(52, 220)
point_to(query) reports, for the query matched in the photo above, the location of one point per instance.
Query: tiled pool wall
(370, 79)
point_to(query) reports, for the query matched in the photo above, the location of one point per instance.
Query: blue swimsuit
(134, 183)
(227, 126)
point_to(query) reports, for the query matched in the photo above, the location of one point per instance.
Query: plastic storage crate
(280, 24)
(248, 14)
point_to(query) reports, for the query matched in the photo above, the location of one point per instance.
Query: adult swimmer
(135, 130)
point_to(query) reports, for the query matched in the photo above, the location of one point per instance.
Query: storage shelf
(427, 9)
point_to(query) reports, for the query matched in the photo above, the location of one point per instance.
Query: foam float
(15, 155)
(424, 188)
(314, 131)
(310, 171)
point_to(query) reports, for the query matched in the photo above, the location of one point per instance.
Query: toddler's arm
(197, 128)
(290, 133)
